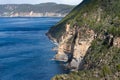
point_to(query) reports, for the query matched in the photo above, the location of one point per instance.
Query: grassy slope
(101, 62)
(88, 12)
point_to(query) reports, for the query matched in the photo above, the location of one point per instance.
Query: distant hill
(43, 9)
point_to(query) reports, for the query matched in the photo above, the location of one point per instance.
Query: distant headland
(37, 10)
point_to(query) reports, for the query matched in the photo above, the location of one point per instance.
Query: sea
(25, 51)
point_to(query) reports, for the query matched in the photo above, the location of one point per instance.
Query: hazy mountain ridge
(43, 9)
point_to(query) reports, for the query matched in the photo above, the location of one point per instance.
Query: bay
(25, 50)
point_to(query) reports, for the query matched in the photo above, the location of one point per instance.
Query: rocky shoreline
(75, 43)
(89, 41)
(74, 51)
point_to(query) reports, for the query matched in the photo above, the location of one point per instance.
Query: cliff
(74, 44)
(89, 41)
(37, 10)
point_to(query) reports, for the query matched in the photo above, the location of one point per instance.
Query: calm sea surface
(25, 51)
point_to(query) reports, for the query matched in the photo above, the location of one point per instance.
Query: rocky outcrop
(93, 44)
(116, 42)
(74, 45)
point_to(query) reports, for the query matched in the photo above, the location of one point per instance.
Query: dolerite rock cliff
(89, 41)
(74, 45)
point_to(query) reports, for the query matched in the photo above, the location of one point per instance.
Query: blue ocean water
(25, 50)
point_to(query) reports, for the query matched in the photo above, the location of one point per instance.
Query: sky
(71, 2)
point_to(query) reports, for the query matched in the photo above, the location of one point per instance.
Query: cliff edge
(89, 41)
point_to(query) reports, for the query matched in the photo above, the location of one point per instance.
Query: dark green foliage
(98, 15)
(118, 67)
(106, 70)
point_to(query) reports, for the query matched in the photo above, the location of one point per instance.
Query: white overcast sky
(71, 2)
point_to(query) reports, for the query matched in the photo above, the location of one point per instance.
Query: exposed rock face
(82, 43)
(94, 45)
(64, 47)
(74, 45)
(117, 42)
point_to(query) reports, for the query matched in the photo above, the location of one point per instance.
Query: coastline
(31, 17)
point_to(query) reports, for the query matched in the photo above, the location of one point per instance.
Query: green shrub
(106, 70)
(118, 67)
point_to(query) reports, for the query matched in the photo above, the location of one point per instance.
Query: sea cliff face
(83, 49)
(74, 45)
(89, 41)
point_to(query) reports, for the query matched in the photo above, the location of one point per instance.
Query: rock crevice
(74, 44)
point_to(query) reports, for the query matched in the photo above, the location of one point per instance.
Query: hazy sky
(72, 2)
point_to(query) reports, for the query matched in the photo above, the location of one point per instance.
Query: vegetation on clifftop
(97, 14)
(102, 61)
